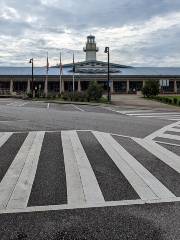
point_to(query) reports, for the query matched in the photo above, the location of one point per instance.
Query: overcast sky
(139, 32)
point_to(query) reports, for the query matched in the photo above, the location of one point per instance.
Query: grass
(171, 100)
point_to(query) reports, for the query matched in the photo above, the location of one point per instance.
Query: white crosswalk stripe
(17, 104)
(83, 189)
(4, 137)
(163, 154)
(145, 184)
(13, 180)
(20, 196)
(171, 116)
(92, 192)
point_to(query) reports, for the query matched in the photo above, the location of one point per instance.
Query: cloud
(138, 32)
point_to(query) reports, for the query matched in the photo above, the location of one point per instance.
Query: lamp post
(109, 92)
(32, 81)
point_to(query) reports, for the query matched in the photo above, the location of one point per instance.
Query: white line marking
(159, 117)
(124, 112)
(4, 137)
(174, 130)
(92, 191)
(75, 192)
(144, 183)
(73, 206)
(48, 105)
(78, 108)
(11, 121)
(161, 131)
(173, 119)
(22, 104)
(169, 136)
(83, 206)
(167, 143)
(9, 181)
(12, 104)
(168, 157)
(153, 114)
(22, 190)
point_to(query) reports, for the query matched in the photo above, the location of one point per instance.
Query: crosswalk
(150, 114)
(90, 177)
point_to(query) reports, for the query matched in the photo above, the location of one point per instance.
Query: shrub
(175, 100)
(151, 88)
(103, 100)
(94, 91)
(166, 99)
(29, 95)
(65, 96)
(170, 101)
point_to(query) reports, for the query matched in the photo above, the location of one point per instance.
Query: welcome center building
(123, 79)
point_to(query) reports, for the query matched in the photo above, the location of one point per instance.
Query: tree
(151, 88)
(94, 91)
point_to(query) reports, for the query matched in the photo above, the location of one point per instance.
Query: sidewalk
(129, 100)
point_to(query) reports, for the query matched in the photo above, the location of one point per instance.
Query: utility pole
(108, 82)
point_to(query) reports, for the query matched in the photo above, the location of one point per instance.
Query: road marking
(22, 190)
(167, 143)
(80, 109)
(83, 206)
(174, 130)
(75, 192)
(161, 131)
(48, 105)
(12, 121)
(159, 117)
(153, 114)
(169, 136)
(17, 104)
(124, 111)
(144, 183)
(10, 180)
(168, 157)
(4, 137)
(92, 191)
(23, 104)
(12, 103)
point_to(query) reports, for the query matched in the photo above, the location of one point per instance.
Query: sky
(138, 32)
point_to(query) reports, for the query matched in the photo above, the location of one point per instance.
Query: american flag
(47, 64)
(60, 66)
(73, 64)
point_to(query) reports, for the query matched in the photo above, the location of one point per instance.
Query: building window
(120, 87)
(135, 86)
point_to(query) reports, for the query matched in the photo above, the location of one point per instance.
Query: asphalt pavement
(70, 171)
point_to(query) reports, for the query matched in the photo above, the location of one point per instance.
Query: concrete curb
(76, 103)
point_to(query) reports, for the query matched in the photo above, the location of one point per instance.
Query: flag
(47, 64)
(73, 64)
(60, 66)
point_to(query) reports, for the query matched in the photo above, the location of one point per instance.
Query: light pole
(32, 81)
(109, 92)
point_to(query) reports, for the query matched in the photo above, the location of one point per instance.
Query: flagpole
(46, 82)
(73, 73)
(60, 76)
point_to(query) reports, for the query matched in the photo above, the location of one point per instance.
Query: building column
(79, 86)
(46, 87)
(144, 82)
(62, 86)
(175, 86)
(127, 86)
(29, 86)
(112, 86)
(11, 87)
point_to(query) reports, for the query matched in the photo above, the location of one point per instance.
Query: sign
(164, 82)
